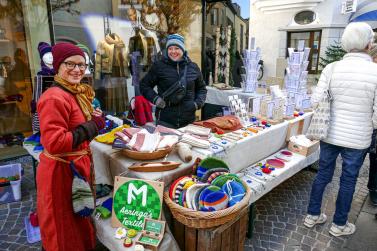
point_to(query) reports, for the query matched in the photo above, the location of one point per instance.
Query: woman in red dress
(67, 123)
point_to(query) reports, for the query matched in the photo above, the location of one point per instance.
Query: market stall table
(257, 146)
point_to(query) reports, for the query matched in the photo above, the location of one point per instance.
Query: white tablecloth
(296, 164)
(257, 146)
(220, 97)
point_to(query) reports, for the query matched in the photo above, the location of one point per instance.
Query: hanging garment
(111, 57)
(146, 45)
(116, 94)
(141, 111)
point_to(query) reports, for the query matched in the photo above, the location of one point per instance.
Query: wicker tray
(159, 154)
(199, 219)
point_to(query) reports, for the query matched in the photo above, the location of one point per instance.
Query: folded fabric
(226, 123)
(129, 132)
(141, 111)
(212, 198)
(144, 141)
(197, 130)
(165, 130)
(119, 144)
(108, 138)
(122, 136)
(195, 141)
(209, 163)
(235, 191)
(167, 141)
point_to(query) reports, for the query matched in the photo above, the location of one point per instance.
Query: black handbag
(175, 93)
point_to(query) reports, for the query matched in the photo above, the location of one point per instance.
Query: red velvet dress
(61, 229)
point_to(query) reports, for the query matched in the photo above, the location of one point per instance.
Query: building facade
(278, 25)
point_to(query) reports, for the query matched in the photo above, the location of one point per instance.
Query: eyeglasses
(71, 66)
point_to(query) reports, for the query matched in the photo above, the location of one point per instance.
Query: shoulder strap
(183, 78)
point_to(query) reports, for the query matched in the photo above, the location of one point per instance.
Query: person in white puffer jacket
(353, 115)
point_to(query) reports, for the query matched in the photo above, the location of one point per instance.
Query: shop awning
(366, 11)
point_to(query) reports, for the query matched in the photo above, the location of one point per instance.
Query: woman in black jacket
(178, 109)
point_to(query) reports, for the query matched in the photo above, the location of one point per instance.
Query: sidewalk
(365, 237)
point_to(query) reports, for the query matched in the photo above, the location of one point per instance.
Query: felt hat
(173, 186)
(208, 173)
(179, 188)
(196, 196)
(62, 51)
(222, 179)
(176, 40)
(209, 163)
(43, 48)
(235, 191)
(190, 192)
(212, 198)
(214, 176)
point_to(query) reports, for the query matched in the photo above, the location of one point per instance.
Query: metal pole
(50, 22)
(204, 7)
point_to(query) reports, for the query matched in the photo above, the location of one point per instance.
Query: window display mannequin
(46, 59)
(86, 51)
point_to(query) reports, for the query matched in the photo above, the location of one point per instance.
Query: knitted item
(235, 192)
(179, 188)
(209, 163)
(209, 172)
(212, 198)
(82, 196)
(83, 93)
(176, 40)
(108, 138)
(190, 194)
(62, 51)
(222, 179)
(214, 176)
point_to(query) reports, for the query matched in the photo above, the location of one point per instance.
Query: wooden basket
(159, 154)
(199, 219)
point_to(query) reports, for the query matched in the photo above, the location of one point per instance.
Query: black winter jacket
(163, 74)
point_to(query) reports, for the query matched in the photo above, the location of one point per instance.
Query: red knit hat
(61, 51)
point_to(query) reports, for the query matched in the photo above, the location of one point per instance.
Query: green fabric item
(222, 179)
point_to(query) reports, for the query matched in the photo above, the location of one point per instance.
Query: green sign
(148, 240)
(135, 200)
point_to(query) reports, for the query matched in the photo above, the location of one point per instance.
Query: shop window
(312, 40)
(123, 38)
(15, 75)
(305, 17)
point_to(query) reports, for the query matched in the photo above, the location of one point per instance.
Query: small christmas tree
(333, 53)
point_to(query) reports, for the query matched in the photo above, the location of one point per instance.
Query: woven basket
(199, 219)
(159, 154)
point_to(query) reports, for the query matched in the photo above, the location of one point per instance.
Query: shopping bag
(319, 125)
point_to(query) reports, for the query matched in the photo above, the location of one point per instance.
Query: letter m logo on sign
(133, 192)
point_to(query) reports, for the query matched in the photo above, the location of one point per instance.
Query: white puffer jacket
(354, 105)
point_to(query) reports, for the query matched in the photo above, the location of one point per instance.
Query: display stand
(223, 35)
(251, 64)
(296, 80)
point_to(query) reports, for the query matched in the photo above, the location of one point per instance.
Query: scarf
(84, 95)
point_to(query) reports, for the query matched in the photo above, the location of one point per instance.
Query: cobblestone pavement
(280, 214)
(278, 223)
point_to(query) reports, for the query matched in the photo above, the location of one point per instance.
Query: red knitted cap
(61, 51)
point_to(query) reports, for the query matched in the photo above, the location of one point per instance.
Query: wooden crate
(228, 237)
(303, 150)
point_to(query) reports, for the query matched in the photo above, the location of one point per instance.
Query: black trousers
(372, 183)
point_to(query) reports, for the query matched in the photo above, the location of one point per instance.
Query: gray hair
(357, 36)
